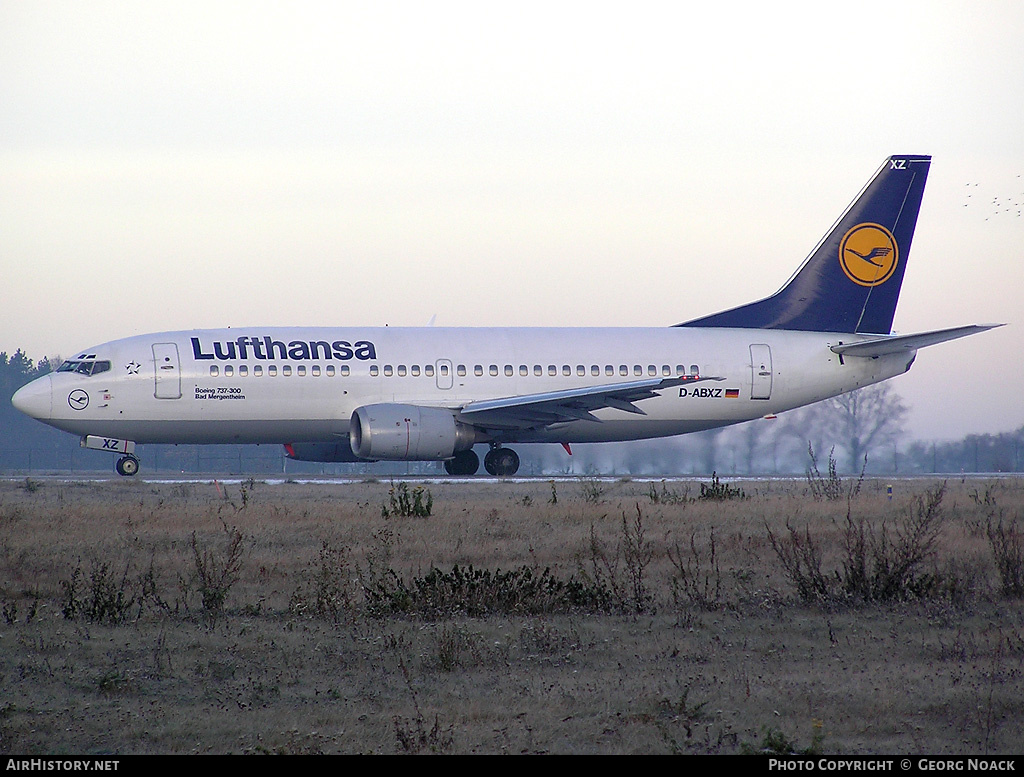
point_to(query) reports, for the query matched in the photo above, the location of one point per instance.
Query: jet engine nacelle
(407, 432)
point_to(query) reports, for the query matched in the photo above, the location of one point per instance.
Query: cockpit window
(84, 367)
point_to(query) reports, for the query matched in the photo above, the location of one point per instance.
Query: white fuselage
(291, 385)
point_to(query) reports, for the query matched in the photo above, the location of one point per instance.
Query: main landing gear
(464, 463)
(500, 462)
(127, 466)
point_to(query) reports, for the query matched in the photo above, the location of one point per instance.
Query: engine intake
(407, 433)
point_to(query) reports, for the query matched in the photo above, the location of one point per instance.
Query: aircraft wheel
(127, 466)
(464, 463)
(505, 462)
(489, 461)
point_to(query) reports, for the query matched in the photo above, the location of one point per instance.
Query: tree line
(862, 431)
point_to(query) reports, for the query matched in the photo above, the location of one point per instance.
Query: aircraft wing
(552, 407)
(881, 346)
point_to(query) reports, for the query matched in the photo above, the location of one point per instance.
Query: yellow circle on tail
(868, 254)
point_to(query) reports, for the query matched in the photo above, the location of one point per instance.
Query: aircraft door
(445, 379)
(761, 371)
(167, 371)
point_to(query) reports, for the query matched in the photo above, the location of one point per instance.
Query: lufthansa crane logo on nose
(78, 399)
(868, 254)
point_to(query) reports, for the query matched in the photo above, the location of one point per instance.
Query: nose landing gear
(127, 466)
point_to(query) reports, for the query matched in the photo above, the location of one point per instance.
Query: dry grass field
(576, 616)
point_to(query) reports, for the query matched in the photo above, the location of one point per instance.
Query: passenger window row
(272, 371)
(538, 370)
(461, 370)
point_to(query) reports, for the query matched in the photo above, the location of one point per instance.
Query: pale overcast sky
(181, 165)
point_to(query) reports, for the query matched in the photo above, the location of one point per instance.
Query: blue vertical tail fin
(851, 281)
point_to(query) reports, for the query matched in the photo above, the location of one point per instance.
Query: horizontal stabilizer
(881, 346)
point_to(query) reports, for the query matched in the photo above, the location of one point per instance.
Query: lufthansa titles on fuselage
(266, 347)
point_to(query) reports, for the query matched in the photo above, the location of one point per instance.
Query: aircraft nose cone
(35, 398)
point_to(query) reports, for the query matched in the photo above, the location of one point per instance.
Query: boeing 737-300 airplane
(351, 394)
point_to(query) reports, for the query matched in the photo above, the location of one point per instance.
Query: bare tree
(708, 452)
(802, 427)
(753, 439)
(865, 420)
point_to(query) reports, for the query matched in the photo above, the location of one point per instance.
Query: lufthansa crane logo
(78, 399)
(868, 254)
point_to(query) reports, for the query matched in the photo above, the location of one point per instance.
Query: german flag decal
(732, 393)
